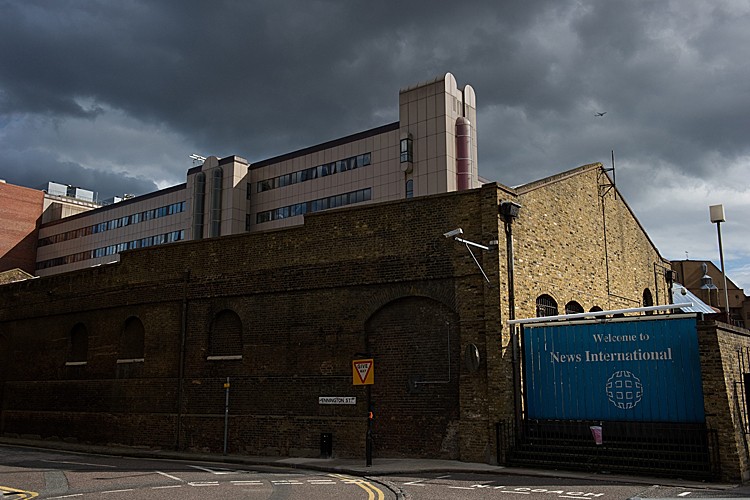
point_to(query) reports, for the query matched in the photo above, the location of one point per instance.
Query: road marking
(170, 476)
(12, 491)
(78, 463)
(521, 492)
(205, 483)
(246, 482)
(419, 481)
(371, 489)
(286, 481)
(684, 494)
(321, 481)
(460, 488)
(165, 487)
(117, 491)
(67, 496)
(214, 471)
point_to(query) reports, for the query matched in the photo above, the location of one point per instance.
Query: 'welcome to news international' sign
(640, 370)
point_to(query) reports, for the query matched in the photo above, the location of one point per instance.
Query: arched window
(573, 307)
(216, 186)
(648, 300)
(546, 306)
(225, 337)
(78, 345)
(199, 205)
(595, 309)
(132, 341)
(410, 188)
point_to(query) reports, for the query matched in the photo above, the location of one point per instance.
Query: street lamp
(717, 217)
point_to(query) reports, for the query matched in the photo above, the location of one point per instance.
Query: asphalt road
(31, 473)
(37, 473)
(518, 487)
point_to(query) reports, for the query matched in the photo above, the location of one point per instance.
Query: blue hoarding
(633, 370)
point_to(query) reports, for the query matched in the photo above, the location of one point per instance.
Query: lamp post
(717, 217)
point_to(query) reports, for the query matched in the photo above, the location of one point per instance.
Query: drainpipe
(509, 210)
(181, 369)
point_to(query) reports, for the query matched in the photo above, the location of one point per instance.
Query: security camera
(683, 291)
(453, 233)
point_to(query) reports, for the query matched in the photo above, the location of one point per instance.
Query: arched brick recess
(439, 291)
(132, 339)
(573, 307)
(415, 339)
(78, 344)
(225, 338)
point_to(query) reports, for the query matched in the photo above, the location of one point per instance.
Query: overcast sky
(114, 96)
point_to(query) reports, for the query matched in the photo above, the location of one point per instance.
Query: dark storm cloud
(128, 89)
(259, 80)
(231, 75)
(36, 171)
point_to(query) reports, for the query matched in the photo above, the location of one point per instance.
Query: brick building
(137, 352)
(705, 280)
(20, 214)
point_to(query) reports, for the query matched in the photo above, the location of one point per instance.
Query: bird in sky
(600, 113)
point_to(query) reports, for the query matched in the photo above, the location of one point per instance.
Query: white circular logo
(624, 390)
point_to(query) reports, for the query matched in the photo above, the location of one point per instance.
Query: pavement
(358, 467)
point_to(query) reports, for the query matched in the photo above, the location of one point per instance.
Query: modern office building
(431, 149)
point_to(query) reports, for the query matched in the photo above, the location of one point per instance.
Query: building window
(225, 337)
(595, 309)
(311, 173)
(216, 186)
(410, 188)
(338, 200)
(132, 341)
(407, 150)
(573, 307)
(546, 306)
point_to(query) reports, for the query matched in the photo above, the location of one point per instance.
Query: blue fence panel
(640, 370)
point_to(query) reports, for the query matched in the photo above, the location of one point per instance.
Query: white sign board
(337, 400)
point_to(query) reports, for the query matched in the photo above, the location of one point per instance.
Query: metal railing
(661, 449)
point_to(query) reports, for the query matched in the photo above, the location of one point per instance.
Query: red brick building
(20, 212)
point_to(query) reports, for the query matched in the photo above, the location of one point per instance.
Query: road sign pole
(226, 415)
(363, 373)
(368, 436)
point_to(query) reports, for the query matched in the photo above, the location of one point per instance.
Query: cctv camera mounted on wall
(455, 232)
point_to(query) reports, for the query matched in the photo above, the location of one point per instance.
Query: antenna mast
(605, 188)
